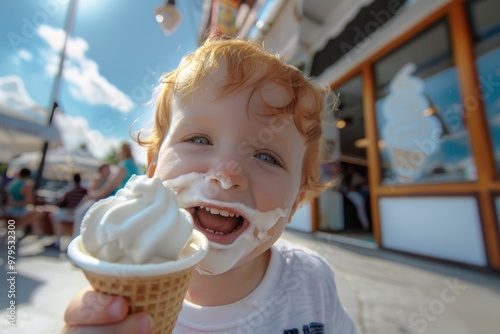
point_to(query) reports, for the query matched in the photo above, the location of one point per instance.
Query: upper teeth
(223, 213)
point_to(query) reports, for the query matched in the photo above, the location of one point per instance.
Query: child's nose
(229, 175)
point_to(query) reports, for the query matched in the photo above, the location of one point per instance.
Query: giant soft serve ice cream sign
(410, 136)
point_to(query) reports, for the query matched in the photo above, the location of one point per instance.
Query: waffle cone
(159, 296)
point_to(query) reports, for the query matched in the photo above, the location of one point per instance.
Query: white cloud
(54, 37)
(15, 100)
(82, 74)
(88, 85)
(75, 130)
(25, 55)
(76, 48)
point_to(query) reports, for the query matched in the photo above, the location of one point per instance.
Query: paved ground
(385, 292)
(388, 293)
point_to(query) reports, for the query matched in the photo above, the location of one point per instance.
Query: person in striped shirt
(64, 208)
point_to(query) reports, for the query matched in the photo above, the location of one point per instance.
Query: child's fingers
(138, 323)
(91, 308)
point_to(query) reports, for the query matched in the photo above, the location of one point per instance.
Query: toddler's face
(252, 157)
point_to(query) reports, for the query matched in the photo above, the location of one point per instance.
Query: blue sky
(115, 56)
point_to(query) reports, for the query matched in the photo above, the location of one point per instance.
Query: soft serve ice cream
(140, 224)
(139, 245)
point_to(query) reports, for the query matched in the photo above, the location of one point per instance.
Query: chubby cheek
(168, 165)
(270, 198)
(274, 193)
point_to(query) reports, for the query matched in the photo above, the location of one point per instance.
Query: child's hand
(92, 312)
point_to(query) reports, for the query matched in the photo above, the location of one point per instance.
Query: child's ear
(298, 201)
(151, 168)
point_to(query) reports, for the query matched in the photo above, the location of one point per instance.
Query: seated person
(98, 182)
(63, 211)
(20, 204)
(126, 168)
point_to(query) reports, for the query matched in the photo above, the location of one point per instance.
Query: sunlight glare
(90, 7)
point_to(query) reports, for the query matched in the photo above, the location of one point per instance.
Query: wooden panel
(474, 116)
(475, 120)
(430, 189)
(315, 214)
(372, 149)
(490, 228)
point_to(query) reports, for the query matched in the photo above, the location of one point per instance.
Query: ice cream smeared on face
(225, 181)
(140, 224)
(233, 229)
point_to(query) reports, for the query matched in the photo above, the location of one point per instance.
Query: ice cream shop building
(417, 135)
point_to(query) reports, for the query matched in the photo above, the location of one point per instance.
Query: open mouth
(219, 225)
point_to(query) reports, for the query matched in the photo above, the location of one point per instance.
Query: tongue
(217, 223)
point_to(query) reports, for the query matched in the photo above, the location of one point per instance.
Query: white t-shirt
(296, 296)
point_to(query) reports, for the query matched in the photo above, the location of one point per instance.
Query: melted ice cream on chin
(195, 188)
(140, 224)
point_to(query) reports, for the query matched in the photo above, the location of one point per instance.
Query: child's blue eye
(200, 140)
(267, 158)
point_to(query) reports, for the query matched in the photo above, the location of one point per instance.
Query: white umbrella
(60, 163)
(22, 135)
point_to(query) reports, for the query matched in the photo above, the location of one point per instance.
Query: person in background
(97, 182)
(63, 210)
(353, 181)
(3, 189)
(126, 168)
(20, 204)
(100, 178)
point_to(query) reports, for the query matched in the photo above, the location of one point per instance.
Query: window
(419, 113)
(486, 30)
(350, 122)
